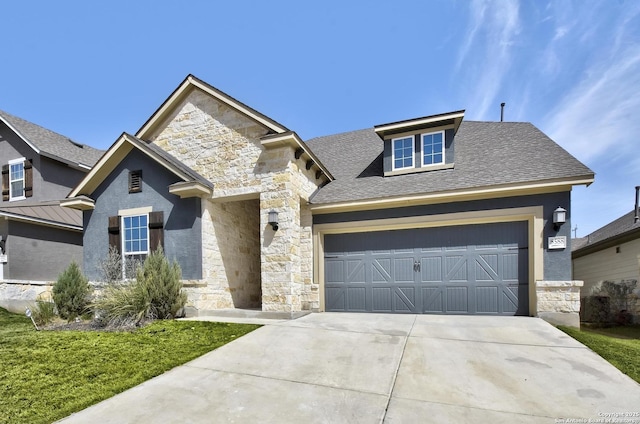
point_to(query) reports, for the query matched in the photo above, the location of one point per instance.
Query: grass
(618, 345)
(47, 375)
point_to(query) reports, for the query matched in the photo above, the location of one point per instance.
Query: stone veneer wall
(16, 295)
(558, 302)
(224, 146)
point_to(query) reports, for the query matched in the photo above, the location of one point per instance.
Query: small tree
(161, 283)
(71, 292)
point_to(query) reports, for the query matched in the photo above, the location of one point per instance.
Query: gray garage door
(470, 269)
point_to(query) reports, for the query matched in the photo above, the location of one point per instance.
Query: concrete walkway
(369, 368)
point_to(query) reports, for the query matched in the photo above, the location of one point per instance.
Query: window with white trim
(402, 150)
(16, 179)
(135, 242)
(433, 148)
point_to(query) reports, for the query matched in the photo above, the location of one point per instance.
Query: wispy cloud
(489, 41)
(597, 117)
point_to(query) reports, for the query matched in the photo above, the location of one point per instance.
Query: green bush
(43, 312)
(71, 292)
(156, 293)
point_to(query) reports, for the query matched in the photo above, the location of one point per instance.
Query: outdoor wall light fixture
(559, 217)
(273, 220)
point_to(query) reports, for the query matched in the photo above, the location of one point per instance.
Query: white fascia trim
(423, 121)
(105, 158)
(40, 221)
(267, 123)
(190, 189)
(78, 203)
(35, 149)
(393, 202)
(191, 82)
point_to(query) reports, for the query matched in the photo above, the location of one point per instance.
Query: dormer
(421, 144)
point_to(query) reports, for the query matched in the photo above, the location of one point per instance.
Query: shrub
(43, 312)
(70, 292)
(156, 293)
(111, 266)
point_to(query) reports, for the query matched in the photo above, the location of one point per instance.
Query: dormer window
(433, 148)
(419, 145)
(403, 150)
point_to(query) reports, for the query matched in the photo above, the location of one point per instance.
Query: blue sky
(91, 70)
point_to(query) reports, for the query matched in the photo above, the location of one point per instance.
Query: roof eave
(606, 243)
(40, 221)
(188, 189)
(82, 203)
(191, 82)
(450, 118)
(506, 190)
(292, 139)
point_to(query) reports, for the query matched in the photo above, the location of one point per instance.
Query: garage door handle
(416, 266)
(331, 257)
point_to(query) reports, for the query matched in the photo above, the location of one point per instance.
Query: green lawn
(47, 375)
(618, 345)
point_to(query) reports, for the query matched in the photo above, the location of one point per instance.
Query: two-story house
(38, 237)
(429, 215)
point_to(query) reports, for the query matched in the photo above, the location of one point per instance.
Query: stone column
(559, 302)
(280, 250)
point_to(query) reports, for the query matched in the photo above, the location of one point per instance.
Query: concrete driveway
(370, 368)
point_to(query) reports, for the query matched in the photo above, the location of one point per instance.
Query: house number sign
(557, 242)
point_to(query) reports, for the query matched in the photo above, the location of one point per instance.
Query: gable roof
(190, 83)
(489, 157)
(618, 231)
(45, 213)
(51, 144)
(119, 150)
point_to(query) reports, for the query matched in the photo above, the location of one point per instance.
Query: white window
(135, 242)
(16, 179)
(433, 148)
(403, 151)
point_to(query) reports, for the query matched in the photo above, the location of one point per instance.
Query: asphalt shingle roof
(614, 229)
(52, 144)
(485, 154)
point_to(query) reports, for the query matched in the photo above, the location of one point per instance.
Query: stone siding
(16, 295)
(559, 302)
(258, 267)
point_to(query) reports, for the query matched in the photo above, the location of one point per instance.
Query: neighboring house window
(135, 236)
(403, 149)
(135, 181)
(16, 179)
(433, 148)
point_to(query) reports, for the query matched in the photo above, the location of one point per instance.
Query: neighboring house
(611, 253)
(39, 238)
(429, 215)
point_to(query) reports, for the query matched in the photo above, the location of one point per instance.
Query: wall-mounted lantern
(273, 220)
(559, 217)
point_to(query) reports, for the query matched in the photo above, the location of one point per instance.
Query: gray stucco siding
(448, 149)
(52, 180)
(182, 217)
(40, 253)
(557, 263)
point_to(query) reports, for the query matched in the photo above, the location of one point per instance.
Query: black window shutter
(28, 178)
(5, 182)
(114, 232)
(156, 230)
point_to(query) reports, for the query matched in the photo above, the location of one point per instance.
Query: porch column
(280, 251)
